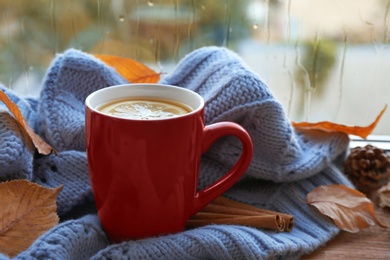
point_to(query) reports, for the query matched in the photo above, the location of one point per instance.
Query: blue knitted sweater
(287, 164)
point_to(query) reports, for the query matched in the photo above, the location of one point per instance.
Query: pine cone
(368, 168)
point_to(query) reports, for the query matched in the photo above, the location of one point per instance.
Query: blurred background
(323, 60)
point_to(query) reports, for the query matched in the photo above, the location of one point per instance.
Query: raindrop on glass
(255, 26)
(150, 3)
(121, 18)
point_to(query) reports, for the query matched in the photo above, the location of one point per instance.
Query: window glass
(323, 60)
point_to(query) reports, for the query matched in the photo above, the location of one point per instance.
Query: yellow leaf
(40, 145)
(363, 132)
(131, 70)
(349, 209)
(27, 210)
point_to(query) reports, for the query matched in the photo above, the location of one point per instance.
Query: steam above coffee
(145, 108)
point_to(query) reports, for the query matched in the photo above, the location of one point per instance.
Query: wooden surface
(370, 243)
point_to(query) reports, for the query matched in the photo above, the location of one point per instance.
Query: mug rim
(100, 92)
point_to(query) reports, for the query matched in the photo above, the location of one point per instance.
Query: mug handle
(210, 134)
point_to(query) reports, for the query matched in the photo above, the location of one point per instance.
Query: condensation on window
(323, 60)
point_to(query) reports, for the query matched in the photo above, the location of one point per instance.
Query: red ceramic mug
(144, 172)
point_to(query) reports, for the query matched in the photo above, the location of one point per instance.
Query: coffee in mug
(146, 108)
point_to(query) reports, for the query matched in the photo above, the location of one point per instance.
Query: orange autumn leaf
(363, 132)
(349, 209)
(27, 211)
(41, 146)
(131, 70)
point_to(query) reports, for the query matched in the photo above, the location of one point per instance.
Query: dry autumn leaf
(131, 70)
(363, 132)
(349, 209)
(384, 196)
(27, 210)
(41, 146)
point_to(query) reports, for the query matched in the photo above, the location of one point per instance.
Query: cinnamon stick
(226, 211)
(288, 219)
(260, 221)
(223, 209)
(211, 215)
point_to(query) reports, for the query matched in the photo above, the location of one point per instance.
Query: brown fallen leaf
(41, 146)
(384, 196)
(349, 209)
(27, 210)
(131, 70)
(363, 132)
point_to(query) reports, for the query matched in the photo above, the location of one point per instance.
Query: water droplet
(121, 18)
(255, 26)
(31, 68)
(150, 3)
(203, 7)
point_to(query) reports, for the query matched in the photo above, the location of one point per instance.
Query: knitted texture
(15, 152)
(286, 165)
(77, 239)
(70, 167)
(69, 81)
(233, 93)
